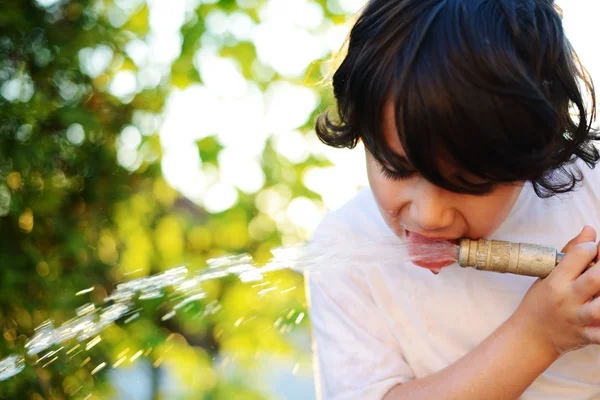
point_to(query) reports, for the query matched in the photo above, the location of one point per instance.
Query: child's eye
(395, 175)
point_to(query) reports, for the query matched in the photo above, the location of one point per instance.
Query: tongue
(431, 254)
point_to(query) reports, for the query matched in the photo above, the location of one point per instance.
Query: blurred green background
(136, 136)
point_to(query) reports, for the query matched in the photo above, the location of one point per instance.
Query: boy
(464, 108)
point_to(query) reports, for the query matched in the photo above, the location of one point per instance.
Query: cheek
(484, 217)
(387, 193)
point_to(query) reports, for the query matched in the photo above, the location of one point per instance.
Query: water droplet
(131, 318)
(43, 338)
(98, 368)
(168, 315)
(88, 308)
(11, 366)
(136, 355)
(119, 362)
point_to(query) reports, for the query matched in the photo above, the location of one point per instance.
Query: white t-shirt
(386, 322)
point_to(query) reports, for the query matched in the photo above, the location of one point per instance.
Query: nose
(431, 207)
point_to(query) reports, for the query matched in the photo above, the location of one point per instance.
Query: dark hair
(485, 84)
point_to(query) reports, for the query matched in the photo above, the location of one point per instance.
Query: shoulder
(587, 187)
(591, 174)
(590, 184)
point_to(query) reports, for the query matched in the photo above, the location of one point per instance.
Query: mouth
(432, 253)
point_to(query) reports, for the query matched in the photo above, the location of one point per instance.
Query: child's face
(418, 206)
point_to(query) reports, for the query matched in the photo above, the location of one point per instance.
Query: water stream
(90, 320)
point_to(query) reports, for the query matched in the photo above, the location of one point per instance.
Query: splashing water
(329, 254)
(11, 366)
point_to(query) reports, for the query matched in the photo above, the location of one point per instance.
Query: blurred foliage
(72, 217)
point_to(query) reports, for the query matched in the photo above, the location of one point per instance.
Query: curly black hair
(494, 86)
